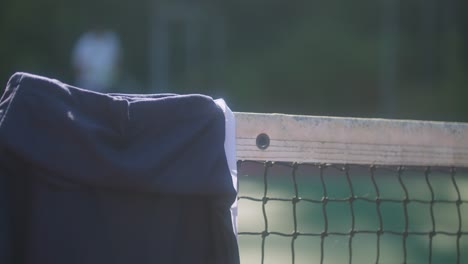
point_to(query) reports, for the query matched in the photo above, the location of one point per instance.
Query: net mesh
(338, 213)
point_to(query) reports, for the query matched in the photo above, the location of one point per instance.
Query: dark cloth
(87, 177)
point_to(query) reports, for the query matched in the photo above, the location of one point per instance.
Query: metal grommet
(263, 141)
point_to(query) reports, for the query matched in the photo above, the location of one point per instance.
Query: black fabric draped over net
(87, 177)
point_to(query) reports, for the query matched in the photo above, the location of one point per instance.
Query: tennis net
(347, 190)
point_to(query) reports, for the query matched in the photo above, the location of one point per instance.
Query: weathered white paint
(352, 140)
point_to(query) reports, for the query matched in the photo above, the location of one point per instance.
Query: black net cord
(427, 173)
(406, 200)
(379, 213)
(453, 172)
(265, 232)
(324, 212)
(295, 200)
(353, 217)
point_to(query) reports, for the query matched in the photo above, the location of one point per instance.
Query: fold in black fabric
(112, 178)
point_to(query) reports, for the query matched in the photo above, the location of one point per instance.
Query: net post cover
(87, 177)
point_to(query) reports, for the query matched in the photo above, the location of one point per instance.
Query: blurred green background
(367, 58)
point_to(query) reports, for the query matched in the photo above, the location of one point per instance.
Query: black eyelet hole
(263, 141)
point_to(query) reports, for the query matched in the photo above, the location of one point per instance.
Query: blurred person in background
(96, 58)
